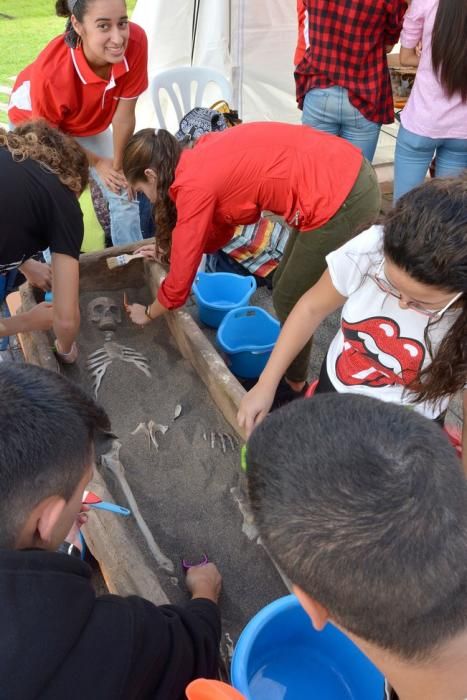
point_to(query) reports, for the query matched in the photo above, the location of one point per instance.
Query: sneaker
(285, 394)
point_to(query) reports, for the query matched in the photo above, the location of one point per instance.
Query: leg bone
(111, 460)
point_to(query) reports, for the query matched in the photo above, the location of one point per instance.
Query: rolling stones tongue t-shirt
(380, 347)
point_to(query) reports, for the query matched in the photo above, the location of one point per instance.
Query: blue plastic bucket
(280, 656)
(217, 293)
(247, 336)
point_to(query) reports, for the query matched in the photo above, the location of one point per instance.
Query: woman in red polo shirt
(321, 185)
(85, 81)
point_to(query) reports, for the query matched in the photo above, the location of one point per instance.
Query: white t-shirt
(380, 347)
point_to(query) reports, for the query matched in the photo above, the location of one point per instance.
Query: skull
(105, 313)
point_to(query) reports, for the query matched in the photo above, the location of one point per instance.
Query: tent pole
(237, 43)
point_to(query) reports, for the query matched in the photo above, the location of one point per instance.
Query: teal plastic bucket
(280, 656)
(217, 293)
(247, 337)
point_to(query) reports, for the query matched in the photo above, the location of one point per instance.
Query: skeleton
(103, 312)
(150, 429)
(111, 460)
(248, 528)
(225, 440)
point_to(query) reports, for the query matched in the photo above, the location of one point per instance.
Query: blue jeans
(414, 154)
(330, 110)
(124, 214)
(148, 227)
(125, 224)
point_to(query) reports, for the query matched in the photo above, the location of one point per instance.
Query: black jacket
(59, 641)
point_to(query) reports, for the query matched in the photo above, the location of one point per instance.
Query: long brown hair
(58, 153)
(159, 151)
(449, 46)
(426, 236)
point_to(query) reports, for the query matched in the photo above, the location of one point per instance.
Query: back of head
(425, 233)
(48, 426)
(364, 506)
(58, 153)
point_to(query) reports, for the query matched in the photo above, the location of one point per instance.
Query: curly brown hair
(159, 151)
(426, 236)
(58, 153)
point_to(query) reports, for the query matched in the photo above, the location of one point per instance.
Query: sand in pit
(184, 489)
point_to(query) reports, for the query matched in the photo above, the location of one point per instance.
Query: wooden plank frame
(123, 564)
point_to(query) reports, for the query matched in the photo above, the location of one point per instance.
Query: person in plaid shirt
(342, 78)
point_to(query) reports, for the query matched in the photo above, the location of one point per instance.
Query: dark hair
(449, 46)
(426, 236)
(48, 428)
(60, 154)
(363, 504)
(159, 151)
(62, 9)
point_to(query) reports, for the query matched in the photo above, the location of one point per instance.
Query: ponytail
(77, 8)
(157, 150)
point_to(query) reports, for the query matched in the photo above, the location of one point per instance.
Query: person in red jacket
(321, 185)
(84, 82)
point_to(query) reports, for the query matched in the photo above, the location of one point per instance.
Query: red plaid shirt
(347, 40)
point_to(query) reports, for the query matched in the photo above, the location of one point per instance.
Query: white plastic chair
(183, 77)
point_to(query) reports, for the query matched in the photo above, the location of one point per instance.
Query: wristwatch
(68, 548)
(147, 311)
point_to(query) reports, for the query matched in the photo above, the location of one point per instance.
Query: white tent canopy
(251, 42)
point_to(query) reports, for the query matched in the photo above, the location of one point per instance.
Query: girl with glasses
(402, 287)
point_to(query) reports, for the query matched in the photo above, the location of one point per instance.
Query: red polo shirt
(61, 87)
(231, 176)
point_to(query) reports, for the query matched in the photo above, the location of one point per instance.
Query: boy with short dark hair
(57, 640)
(364, 506)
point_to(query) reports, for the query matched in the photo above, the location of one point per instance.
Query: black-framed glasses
(388, 288)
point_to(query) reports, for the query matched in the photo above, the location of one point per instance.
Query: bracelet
(147, 311)
(70, 549)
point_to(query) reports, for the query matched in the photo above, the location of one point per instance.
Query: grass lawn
(33, 25)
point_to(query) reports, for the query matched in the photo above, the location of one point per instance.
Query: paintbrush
(121, 260)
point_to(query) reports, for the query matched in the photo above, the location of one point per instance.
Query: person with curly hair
(85, 82)
(402, 288)
(42, 174)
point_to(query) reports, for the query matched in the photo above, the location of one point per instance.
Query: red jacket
(230, 177)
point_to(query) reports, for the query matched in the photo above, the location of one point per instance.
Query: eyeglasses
(388, 288)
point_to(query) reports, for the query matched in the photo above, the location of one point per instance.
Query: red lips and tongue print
(375, 354)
